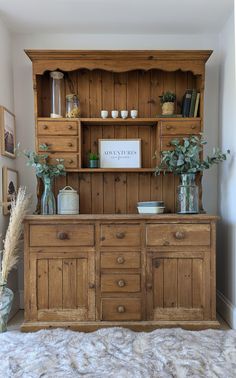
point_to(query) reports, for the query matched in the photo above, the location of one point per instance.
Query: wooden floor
(17, 320)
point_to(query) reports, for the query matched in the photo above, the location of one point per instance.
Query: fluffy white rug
(119, 353)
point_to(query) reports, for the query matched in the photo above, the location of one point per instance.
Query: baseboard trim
(226, 309)
(21, 292)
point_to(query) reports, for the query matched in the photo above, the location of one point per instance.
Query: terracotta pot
(168, 108)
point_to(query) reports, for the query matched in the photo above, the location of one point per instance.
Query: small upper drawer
(57, 144)
(178, 234)
(61, 235)
(121, 309)
(120, 235)
(120, 283)
(70, 161)
(111, 260)
(57, 127)
(180, 127)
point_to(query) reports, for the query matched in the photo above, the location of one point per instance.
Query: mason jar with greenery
(167, 100)
(185, 160)
(93, 160)
(46, 172)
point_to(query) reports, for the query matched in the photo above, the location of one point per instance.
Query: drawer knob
(166, 242)
(120, 235)
(91, 285)
(168, 127)
(121, 283)
(70, 144)
(179, 235)
(45, 127)
(70, 161)
(193, 127)
(63, 236)
(120, 260)
(70, 127)
(121, 309)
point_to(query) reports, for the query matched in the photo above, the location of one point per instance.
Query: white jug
(68, 201)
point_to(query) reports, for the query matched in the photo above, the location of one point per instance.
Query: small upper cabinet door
(178, 287)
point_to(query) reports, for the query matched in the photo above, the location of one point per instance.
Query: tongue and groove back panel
(98, 89)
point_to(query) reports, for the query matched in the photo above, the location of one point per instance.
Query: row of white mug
(124, 113)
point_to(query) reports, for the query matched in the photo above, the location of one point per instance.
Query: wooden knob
(45, 127)
(193, 127)
(70, 144)
(121, 283)
(120, 260)
(120, 235)
(168, 127)
(70, 127)
(166, 242)
(168, 144)
(121, 309)
(63, 236)
(70, 161)
(149, 286)
(91, 285)
(179, 235)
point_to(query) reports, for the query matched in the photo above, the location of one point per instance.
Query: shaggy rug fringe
(118, 353)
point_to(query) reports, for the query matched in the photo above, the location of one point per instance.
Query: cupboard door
(64, 288)
(178, 286)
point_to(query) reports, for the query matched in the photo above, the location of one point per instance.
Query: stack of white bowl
(151, 207)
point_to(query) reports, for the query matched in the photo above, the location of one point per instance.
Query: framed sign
(10, 188)
(120, 153)
(7, 133)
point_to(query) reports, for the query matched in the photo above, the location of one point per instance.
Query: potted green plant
(93, 160)
(185, 160)
(46, 171)
(167, 100)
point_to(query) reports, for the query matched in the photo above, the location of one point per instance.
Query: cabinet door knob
(120, 235)
(121, 309)
(63, 236)
(45, 127)
(149, 286)
(70, 127)
(179, 235)
(70, 144)
(120, 260)
(91, 285)
(121, 283)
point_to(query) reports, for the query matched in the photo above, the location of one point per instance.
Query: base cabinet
(88, 272)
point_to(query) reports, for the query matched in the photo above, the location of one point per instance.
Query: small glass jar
(56, 105)
(72, 106)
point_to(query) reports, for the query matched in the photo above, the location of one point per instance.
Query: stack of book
(190, 103)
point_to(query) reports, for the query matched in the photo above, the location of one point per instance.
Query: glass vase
(187, 195)
(48, 203)
(6, 299)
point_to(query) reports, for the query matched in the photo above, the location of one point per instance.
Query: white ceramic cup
(124, 113)
(104, 113)
(134, 113)
(115, 113)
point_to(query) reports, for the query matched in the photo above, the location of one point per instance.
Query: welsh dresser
(110, 266)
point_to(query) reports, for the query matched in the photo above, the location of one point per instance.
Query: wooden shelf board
(123, 170)
(119, 121)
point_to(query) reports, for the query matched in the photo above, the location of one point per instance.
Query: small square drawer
(111, 260)
(120, 235)
(180, 127)
(57, 144)
(70, 161)
(121, 309)
(57, 127)
(61, 235)
(120, 283)
(178, 234)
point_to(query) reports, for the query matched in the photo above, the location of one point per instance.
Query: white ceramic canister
(68, 201)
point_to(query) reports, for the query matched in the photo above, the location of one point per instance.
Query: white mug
(124, 113)
(115, 113)
(104, 113)
(134, 113)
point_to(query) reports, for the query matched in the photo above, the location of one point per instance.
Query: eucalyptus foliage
(186, 157)
(41, 165)
(167, 97)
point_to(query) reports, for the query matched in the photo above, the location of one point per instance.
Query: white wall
(6, 99)
(226, 281)
(23, 92)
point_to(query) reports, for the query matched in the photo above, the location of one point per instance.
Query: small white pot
(68, 201)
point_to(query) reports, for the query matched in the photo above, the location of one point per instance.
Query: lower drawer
(120, 283)
(121, 309)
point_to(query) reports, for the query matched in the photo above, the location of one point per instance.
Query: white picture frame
(120, 153)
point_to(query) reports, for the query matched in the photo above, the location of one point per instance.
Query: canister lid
(67, 189)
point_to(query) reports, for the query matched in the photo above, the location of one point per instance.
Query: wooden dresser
(91, 271)
(110, 266)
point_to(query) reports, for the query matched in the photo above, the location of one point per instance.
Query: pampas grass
(11, 243)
